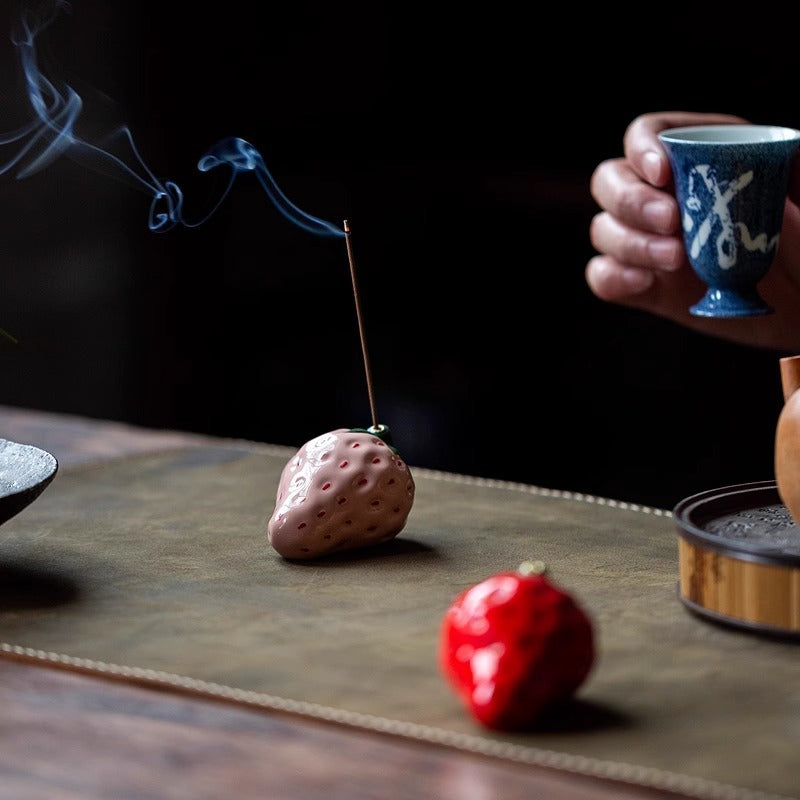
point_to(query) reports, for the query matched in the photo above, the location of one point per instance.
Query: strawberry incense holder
(344, 489)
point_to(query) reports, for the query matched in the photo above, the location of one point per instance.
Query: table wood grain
(67, 735)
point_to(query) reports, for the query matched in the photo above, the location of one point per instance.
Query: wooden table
(68, 735)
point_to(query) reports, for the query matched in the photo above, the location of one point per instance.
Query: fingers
(666, 294)
(615, 282)
(619, 191)
(636, 234)
(643, 149)
(635, 247)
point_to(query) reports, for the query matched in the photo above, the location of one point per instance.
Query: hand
(641, 261)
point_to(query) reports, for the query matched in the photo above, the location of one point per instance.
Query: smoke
(50, 132)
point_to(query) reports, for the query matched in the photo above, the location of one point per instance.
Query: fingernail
(651, 164)
(637, 280)
(658, 214)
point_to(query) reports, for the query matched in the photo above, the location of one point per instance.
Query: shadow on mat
(395, 548)
(27, 588)
(580, 715)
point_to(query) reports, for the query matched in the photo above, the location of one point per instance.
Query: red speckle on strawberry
(513, 645)
(322, 494)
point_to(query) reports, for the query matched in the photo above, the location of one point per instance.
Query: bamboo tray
(739, 556)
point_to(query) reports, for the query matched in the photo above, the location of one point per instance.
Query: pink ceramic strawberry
(342, 490)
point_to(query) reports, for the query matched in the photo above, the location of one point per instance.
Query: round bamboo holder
(739, 558)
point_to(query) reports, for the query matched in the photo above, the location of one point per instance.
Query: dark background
(460, 147)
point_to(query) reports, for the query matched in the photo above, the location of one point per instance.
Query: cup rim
(733, 134)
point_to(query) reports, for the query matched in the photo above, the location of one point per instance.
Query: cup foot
(731, 303)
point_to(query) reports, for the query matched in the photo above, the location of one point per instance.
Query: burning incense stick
(370, 391)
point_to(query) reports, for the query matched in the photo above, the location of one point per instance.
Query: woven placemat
(157, 568)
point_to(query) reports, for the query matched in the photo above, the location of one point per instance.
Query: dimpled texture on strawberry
(343, 490)
(514, 645)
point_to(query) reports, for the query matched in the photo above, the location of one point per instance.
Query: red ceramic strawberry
(513, 645)
(342, 490)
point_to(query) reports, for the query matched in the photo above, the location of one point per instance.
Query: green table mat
(157, 567)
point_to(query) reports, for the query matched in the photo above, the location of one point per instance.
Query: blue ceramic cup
(731, 183)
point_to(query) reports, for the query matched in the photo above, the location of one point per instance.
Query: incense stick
(370, 391)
